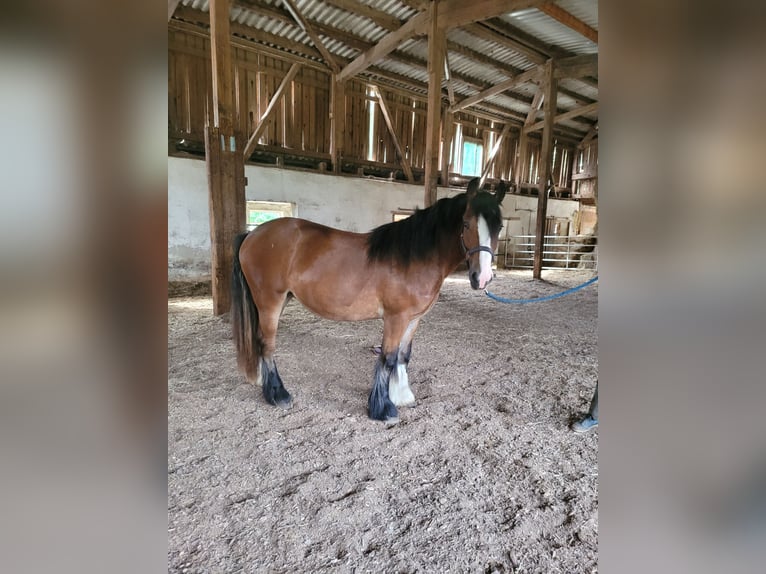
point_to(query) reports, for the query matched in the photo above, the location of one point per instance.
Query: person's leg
(591, 419)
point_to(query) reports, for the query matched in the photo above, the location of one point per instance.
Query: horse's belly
(339, 307)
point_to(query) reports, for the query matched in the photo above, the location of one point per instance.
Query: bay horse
(394, 272)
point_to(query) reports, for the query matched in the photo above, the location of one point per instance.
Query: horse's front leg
(379, 404)
(399, 385)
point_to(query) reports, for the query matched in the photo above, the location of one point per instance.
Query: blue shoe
(585, 424)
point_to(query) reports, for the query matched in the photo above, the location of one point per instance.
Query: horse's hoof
(391, 421)
(285, 404)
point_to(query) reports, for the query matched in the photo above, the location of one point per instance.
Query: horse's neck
(450, 253)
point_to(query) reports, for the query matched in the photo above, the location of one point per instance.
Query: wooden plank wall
(585, 177)
(301, 121)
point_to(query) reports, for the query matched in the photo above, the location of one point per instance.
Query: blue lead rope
(540, 299)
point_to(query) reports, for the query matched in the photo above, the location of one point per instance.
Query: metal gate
(559, 252)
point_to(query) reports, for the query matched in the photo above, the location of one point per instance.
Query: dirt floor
(482, 475)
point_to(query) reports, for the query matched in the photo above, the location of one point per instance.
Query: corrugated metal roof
(367, 30)
(585, 10)
(499, 52)
(542, 26)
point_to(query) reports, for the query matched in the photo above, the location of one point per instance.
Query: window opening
(259, 212)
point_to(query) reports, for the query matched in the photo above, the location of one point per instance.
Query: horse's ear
(500, 193)
(473, 188)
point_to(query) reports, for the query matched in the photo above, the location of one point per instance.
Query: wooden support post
(435, 70)
(546, 153)
(224, 159)
(447, 142)
(337, 122)
(390, 125)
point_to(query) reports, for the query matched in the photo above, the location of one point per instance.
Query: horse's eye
(465, 225)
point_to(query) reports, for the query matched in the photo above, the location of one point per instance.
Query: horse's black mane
(418, 237)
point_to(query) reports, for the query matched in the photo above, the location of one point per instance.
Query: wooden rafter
(380, 18)
(456, 13)
(198, 17)
(537, 101)
(414, 26)
(390, 125)
(522, 78)
(506, 31)
(249, 38)
(251, 143)
(590, 108)
(487, 33)
(303, 23)
(493, 154)
(592, 132)
(172, 5)
(570, 21)
(448, 76)
(577, 66)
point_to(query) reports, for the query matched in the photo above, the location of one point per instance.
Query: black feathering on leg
(379, 405)
(274, 391)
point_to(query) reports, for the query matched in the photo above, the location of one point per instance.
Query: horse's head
(482, 222)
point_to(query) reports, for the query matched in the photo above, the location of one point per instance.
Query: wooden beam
(447, 142)
(522, 78)
(537, 101)
(390, 125)
(590, 108)
(577, 66)
(520, 165)
(223, 65)
(481, 31)
(448, 76)
(328, 57)
(225, 164)
(359, 8)
(251, 143)
(592, 132)
(387, 44)
(546, 153)
(493, 155)
(456, 13)
(337, 122)
(569, 20)
(267, 40)
(172, 5)
(435, 68)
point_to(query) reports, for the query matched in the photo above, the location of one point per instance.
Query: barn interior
(354, 114)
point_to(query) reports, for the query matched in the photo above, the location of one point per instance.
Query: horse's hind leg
(399, 386)
(274, 390)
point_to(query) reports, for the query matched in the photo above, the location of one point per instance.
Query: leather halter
(469, 252)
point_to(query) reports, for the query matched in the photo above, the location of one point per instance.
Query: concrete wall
(350, 203)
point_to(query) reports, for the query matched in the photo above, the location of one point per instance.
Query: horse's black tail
(244, 319)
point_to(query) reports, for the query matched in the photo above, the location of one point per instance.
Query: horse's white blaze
(399, 387)
(485, 259)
